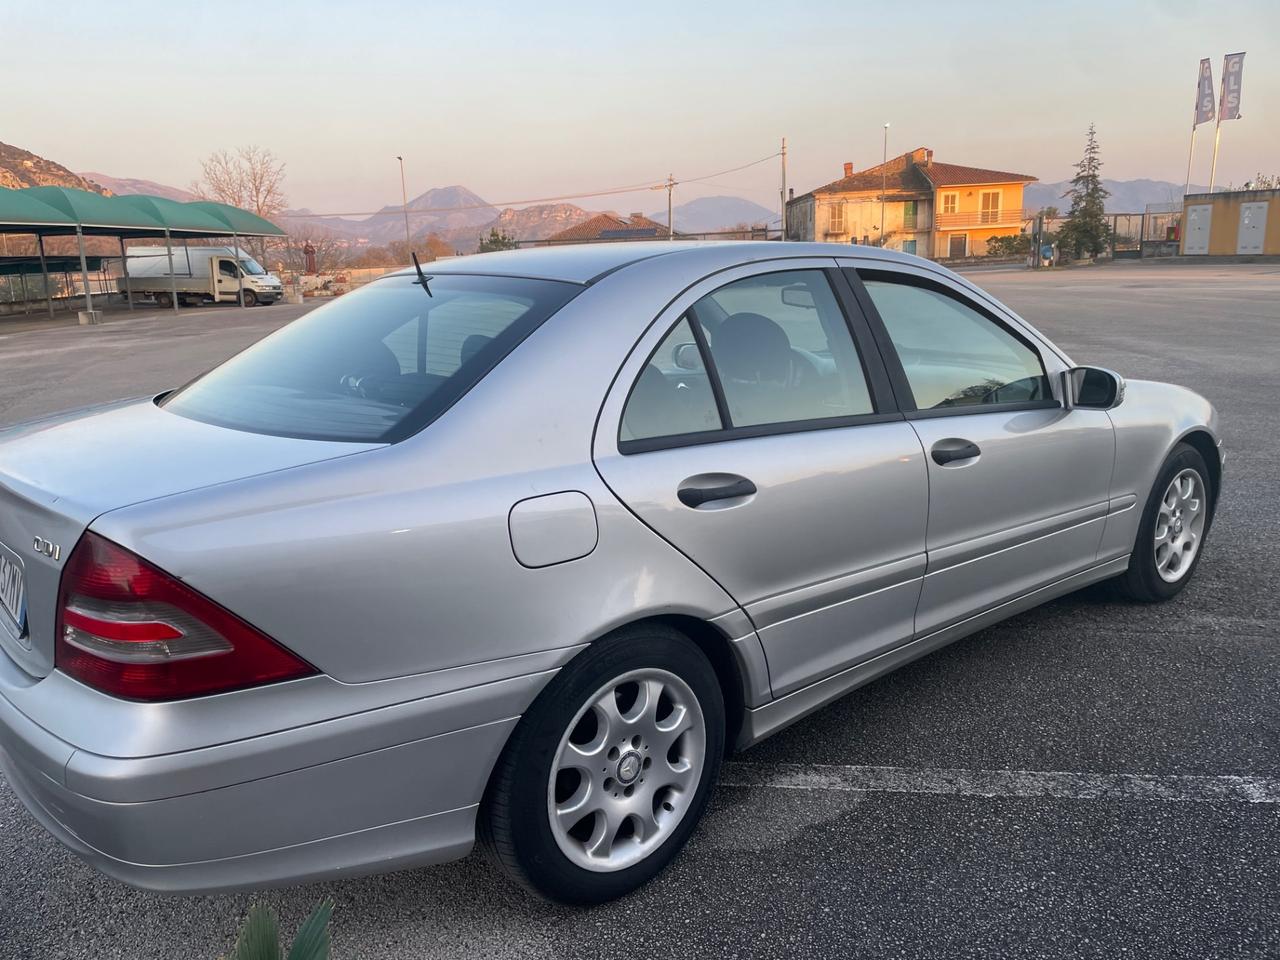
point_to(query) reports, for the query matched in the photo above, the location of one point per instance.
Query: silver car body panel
(439, 583)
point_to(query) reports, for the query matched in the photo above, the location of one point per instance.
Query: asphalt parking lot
(1089, 779)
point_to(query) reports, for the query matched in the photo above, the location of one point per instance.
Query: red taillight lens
(131, 630)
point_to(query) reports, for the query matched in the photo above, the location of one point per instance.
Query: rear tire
(1175, 522)
(586, 803)
(164, 300)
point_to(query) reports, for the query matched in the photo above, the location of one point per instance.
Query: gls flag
(1232, 71)
(1204, 94)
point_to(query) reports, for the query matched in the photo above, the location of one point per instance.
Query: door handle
(953, 449)
(696, 491)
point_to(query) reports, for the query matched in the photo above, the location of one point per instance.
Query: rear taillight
(131, 630)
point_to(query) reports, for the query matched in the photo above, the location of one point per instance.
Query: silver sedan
(518, 548)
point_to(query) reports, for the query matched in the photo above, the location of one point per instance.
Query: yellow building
(929, 208)
(1229, 223)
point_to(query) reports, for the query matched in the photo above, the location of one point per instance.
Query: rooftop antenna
(422, 277)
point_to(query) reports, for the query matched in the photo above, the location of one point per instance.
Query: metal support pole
(783, 192)
(235, 245)
(173, 279)
(26, 302)
(1190, 155)
(84, 270)
(44, 271)
(404, 204)
(1217, 138)
(884, 180)
(671, 224)
(124, 266)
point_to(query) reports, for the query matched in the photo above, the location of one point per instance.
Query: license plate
(13, 588)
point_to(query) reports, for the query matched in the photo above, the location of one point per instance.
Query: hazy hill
(716, 213)
(388, 223)
(1127, 196)
(126, 186)
(22, 168)
(538, 222)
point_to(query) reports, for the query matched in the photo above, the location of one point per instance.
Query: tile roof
(610, 226)
(953, 174)
(916, 174)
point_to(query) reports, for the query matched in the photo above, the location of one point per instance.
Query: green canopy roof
(19, 208)
(243, 222)
(58, 210)
(180, 218)
(30, 266)
(94, 210)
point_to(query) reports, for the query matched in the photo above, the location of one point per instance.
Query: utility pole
(783, 192)
(884, 180)
(671, 226)
(404, 203)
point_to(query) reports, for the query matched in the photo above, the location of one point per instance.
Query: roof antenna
(422, 277)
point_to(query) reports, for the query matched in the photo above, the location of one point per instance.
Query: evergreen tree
(1086, 231)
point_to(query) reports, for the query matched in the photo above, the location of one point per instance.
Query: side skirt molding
(781, 713)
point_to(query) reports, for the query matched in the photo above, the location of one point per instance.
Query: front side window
(227, 268)
(780, 352)
(954, 355)
(376, 364)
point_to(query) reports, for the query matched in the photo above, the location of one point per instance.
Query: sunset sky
(519, 101)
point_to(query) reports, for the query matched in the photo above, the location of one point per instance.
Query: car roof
(587, 262)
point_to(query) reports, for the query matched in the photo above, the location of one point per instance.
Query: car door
(1018, 485)
(228, 280)
(753, 428)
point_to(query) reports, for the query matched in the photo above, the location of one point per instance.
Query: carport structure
(64, 211)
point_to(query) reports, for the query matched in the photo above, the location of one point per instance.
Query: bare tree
(331, 252)
(252, 178)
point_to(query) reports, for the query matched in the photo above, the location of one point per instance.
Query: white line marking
(1002, 783)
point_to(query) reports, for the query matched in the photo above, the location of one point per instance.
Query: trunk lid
(60, 473)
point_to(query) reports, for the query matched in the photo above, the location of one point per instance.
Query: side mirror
(687, 356)
(798, 295)
(1095, 388)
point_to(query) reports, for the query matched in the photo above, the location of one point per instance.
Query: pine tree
(1086, 232)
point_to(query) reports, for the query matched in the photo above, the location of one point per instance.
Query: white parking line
(1002, 783)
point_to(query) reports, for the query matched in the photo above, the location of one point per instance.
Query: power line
(630, 188)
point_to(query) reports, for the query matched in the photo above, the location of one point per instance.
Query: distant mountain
(716, 213)
(22, 168)
(388, 224)
(1127, 196)
(538, 222)
(126, 186)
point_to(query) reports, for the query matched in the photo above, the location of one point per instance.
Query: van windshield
(251, 266)
(376, 365)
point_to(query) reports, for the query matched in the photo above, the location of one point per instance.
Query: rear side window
(780, 353)
(953, 355)
(376, 365)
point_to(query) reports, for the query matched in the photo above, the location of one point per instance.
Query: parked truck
(199, 275)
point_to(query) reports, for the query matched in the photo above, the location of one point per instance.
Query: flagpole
(1190, 155)
(1217, 138)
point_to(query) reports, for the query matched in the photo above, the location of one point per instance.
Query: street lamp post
(884, 180)
(404, 202)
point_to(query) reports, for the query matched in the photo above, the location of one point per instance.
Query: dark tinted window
(376, 364)
(952, 353)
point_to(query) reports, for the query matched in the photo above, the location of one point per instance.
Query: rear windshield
(377, 364)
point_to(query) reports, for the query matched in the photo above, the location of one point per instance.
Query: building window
(909, 215)
(990, 206)
(950, 202)
(908, 246)
(835, 218)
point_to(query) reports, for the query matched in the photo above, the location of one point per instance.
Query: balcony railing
(983, 218)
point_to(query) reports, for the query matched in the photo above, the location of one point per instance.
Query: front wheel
(607, 774)
(250, 298)
(1174, 524)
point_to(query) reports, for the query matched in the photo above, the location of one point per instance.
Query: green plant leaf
(259, 937)
(312, 941)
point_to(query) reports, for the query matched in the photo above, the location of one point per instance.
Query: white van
(200, 275)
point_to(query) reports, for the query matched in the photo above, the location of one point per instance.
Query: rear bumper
(406, 804)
